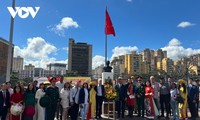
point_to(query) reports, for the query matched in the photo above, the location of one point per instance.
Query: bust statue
(107, 68)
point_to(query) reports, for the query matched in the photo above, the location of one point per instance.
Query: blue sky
(172, 25)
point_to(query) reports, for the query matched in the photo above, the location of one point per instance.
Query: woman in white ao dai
(65, 96)
(40, 110)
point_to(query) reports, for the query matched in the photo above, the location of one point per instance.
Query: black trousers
(99, 102)
(140, 104)
(164, 101)
(192, 108)
(130, 110)
(3, 113)
(50, 111)
(74, 111)
(120, 107)
(197, 107)
(59, 111)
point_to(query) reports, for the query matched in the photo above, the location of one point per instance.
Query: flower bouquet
(110, 92)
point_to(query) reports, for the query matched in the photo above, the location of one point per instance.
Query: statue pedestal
(106, 75)
(109, 109)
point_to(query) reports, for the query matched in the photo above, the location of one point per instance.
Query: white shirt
(11, 91)
(155, 87)
(60, 85)
(4, 95)
(74, 93)
(65, 95)
(86, 96)
(173, 93)
(99, 90)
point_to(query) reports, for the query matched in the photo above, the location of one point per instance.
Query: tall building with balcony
(29, 71)
(148, 59)
(17, 64)
(3, 59)
(97, 72)
(159, 56)
(80, 58)
(133, 64)
(168, 65)
(118, 67)
(195, 59)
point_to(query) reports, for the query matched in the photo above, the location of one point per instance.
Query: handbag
(16, 109)
(178, 98)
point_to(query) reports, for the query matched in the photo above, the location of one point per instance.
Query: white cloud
(37, 52)
(65, 49)
(129, 0)
(175, 51)
(117, 51)
(65, 23)
(185, 24)
(97, 61)
(174, 42)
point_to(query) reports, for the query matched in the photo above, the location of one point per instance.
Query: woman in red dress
(16, 98)
(130, 98)
(151, 109)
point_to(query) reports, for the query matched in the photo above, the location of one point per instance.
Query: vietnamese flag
(109, 29)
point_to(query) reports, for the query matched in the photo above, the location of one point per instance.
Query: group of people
(157, 98)
(59, 100)
(64, 101)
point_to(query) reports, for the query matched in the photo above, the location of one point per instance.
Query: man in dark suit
(99, 98)
(140, 96)
(192, 97)
(4, 101)
(121, 90)
(53, 92)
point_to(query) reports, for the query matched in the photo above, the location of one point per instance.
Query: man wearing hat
(53, 93)
(140, 96)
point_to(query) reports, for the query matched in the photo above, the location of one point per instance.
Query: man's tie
(4, 98)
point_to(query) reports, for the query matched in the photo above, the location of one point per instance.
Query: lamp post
(9, 61)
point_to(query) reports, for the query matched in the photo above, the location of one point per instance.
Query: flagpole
(9, 61)
(106, 41)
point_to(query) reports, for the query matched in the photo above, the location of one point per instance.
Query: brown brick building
(3, 58)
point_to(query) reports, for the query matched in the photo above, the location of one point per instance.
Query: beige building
(133, 64)
(58, 68)
(97, 72)
(167, 65)
(17, 64)
(149, 60)
(118, 66)
(159, 54)
(195, 59)
(29, 67)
